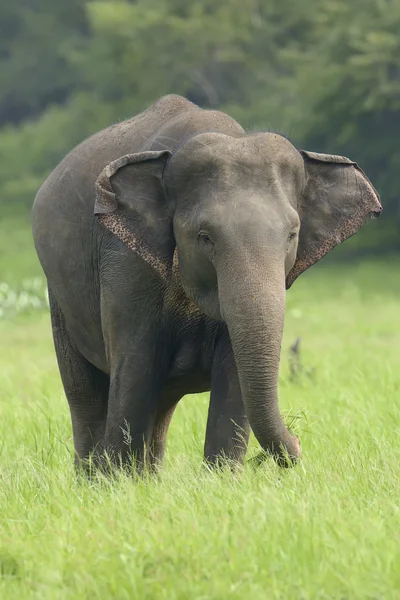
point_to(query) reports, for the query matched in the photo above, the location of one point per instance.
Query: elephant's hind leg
(86, 388)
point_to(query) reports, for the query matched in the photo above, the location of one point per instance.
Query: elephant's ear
(130, 202)
(336, 202)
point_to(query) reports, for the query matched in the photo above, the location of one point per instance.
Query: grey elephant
(168, 242)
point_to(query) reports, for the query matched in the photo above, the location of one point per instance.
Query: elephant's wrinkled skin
(167, 242)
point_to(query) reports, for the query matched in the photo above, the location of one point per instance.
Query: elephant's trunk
(252, 301)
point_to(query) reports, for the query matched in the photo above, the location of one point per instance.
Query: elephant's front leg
(132, 407)
(135, 349)
(228, 429)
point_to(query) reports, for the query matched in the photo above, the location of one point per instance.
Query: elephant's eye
(290, 241)
(204, 237)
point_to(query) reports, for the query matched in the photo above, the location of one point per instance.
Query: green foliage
(37, 38)
(348, 83)
(326, 73)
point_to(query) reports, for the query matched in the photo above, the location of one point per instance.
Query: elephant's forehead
(218, 158)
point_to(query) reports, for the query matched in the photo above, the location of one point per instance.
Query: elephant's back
(70, 186)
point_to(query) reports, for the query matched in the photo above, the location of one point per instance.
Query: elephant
(168, 242)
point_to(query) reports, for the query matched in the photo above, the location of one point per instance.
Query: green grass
(329, 528)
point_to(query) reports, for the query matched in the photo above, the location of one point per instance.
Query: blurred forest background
(326, 73)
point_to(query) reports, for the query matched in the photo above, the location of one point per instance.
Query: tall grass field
(327, 529)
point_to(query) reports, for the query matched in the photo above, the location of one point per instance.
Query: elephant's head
(247, 215)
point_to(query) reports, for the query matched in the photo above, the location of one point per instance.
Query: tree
(37, 38)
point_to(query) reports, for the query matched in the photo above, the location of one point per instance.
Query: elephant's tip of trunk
(284, 457)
